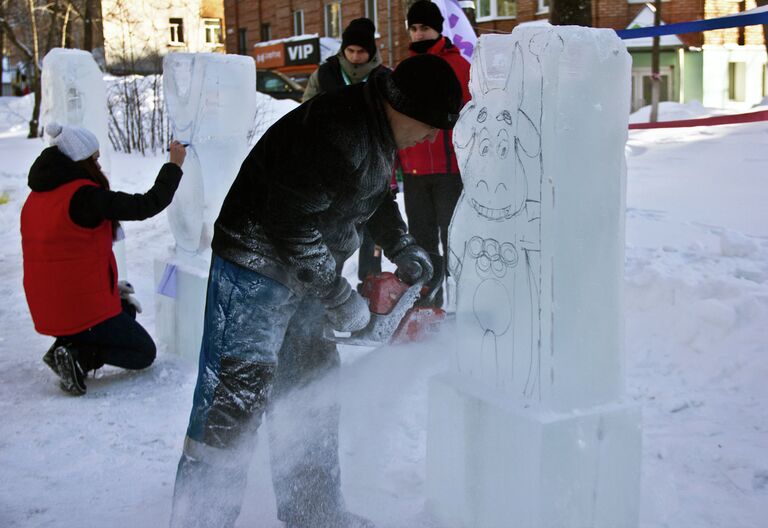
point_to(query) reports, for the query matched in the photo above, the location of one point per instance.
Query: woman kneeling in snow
(68, 224)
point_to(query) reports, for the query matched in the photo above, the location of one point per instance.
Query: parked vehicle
(277, 85)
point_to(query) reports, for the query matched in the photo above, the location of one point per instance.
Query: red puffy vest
(70, 273)
(438, 157)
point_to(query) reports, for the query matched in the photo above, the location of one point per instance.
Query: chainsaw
(394, 318)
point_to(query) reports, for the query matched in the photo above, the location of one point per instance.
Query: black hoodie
(295, 210)
(90, 205)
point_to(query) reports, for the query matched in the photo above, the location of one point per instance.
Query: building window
(266, 32)
(737, 77)
(642, 85)
(765, 79)
(298, 22)
(493, 9)
(371, 11)
(242, 41)
(543, 6)
(176, 27)
(333, 20)
(212, 28)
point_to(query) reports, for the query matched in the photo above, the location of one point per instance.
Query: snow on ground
(697, 314)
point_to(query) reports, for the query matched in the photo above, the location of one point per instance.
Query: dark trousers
(429, 203)
(262, 347)
(368, 262)
(118, 341)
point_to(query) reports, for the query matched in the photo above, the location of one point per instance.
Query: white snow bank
(669, 111)
(15, 113)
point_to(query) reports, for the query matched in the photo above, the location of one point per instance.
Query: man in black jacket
(290, 220)
(357, 61)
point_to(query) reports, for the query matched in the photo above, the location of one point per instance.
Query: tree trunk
(35, 73)
(655, 78)
(2, 56)
(88, 26)
(571, 13)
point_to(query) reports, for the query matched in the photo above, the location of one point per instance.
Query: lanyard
(347, 80)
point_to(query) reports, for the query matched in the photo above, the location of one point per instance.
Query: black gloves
(413, 263)
(345, 309)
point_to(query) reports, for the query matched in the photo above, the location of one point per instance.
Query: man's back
(314, 176)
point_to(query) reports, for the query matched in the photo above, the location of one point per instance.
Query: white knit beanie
(76, 143)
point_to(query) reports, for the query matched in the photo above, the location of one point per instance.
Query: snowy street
(696, 281)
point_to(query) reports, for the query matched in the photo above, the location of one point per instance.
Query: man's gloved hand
(345, 309)
(126, 289)
(413, 263)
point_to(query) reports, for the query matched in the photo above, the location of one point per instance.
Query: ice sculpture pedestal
(531, 429)
(179, 319)
(511, 466)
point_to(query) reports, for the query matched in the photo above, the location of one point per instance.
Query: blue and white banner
(747, 18)
(457, 27)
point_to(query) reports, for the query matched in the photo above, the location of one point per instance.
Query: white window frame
(298, 22)
(372, 12)
(639, 73)
(328, 13)
(543, 8)
(173, 28)
(494, 12)
(208, 26)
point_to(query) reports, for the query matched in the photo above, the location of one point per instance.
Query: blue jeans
(258, 336)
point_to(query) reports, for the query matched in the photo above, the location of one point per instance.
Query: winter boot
(49, 358)
(71, 373)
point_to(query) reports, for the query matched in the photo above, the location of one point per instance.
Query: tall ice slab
(530, 429)
(211, 100)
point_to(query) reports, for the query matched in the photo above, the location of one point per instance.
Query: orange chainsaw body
(383, 291)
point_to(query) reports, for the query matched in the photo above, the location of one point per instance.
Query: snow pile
(15, 113)
(669, 111)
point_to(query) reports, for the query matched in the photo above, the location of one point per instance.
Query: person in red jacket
(68, 224)
(431, 181)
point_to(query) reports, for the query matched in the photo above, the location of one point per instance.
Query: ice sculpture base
(493, 464)
(179, 319)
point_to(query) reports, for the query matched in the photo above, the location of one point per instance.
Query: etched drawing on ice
(495, 234)
(211, 103)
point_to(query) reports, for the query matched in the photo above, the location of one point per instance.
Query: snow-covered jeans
(262, 350)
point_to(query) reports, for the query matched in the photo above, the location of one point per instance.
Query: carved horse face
(496, 136)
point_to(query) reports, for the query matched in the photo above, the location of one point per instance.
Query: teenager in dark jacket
(290, 220)
(356, 62)
(68, 224)
(431, 180)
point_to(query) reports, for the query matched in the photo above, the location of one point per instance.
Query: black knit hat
(425, 88)
(360, 32)
(427, 13)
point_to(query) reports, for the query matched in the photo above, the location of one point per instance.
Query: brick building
(138, 33)
(250, 23)
(723, 68)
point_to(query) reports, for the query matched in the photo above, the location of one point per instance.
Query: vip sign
(302, 52)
